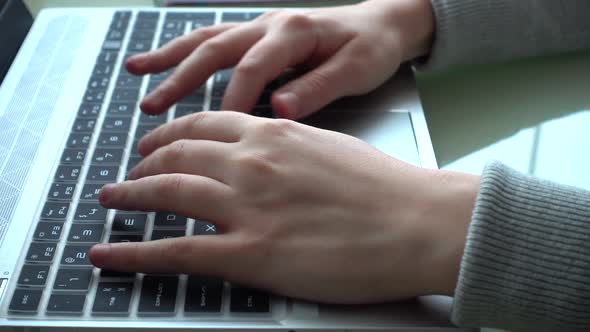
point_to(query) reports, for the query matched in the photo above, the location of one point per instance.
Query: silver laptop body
(65, 101)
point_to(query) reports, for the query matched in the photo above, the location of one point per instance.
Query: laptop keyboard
(56, 276)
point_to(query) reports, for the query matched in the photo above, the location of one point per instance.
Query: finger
(338, 76)
(203, 255)
(212, 126)
(173, 52)
(219, 52)
(292, 44)
(190, 195)
(198, 157)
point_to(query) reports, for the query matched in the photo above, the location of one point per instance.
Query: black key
(204, 228)
(188, 16)
(66, 303)
(149, 16)
(121, 109)
(116, 274)
(215, 104)
(115, 34)
(249, 300)
(167, 234)
(143, 35)
(25, 300)
(55, 211)
(222, 77)
(134, 149)
(156, 79)
(122, 94)
(133, 161)
(67, 173)
(158, 295)
(122, 15)
(118, 124)
(144, 25)
(99, 83)
(108, 56)
(102, 173)
(48, 231)
(169, 35)
(105, 69)
(72, 279)
(41, 252)
(152, 119)
(90, 212)
(112, 140)
(86, 233)
(112, 298)
(128, 81)
(139, 45)
(203, 294)
(61, 191)
(143, 129)
(132, 223)
(94, 96)
(124, 238)
(195, 98)
(107, 156)
(88, 110)
(76, 255)
(33, 275)
(240, 16)
(78, 140)
(174, 25)
(91, 191)
(182, 110)
(170, 219)
(110, 45)
(73, 156)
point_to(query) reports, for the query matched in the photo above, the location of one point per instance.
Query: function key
(76, 255)
(129, 223)
(25, 300)
(112, 298)
(67, 173)
(66, 303)
(77, 140)
(33, 275)
(91, 191)
(89, 110)
(48, 231)
(41, 252)
(55, 211)
(170, 219)
(158, 295)
(90, 212)
(61, 191)
(249, 300)
(73, 156)
(203, 294)
(86, 233)
(72, 279)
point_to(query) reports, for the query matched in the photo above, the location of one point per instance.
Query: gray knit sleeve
(481, 31)
(526, 264)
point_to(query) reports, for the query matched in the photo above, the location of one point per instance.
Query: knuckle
(252, 163)
(174, 151)
(249, 67)
(214, 46)
(275, 128)
(297, 21)
(170, 183)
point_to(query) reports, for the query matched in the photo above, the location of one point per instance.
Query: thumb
(203, 254)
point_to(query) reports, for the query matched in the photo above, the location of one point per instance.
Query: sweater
(526, 263)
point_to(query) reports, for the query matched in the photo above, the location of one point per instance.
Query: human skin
(301, 211)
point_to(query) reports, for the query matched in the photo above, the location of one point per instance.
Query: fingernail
(288, 105)
(106, 193)
(100, 254)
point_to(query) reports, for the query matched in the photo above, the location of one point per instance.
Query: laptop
(69, 123)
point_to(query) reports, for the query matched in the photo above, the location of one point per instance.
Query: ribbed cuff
(526, 264)
(482, 31)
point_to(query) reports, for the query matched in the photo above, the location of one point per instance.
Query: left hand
(302, 211)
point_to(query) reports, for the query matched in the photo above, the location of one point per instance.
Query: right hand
(347, 51)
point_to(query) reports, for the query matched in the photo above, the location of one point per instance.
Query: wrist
(411, 20)
(449, 207)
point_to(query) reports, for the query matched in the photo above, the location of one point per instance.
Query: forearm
(526, 263)
(480, 31)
